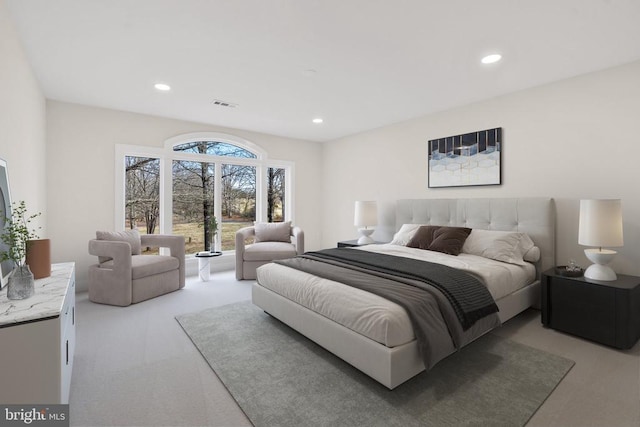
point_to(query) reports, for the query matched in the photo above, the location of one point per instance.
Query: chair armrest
(242, 235)
(120, 252)
(115, 277)
(110, 280)
(175, 245)
(298, 239)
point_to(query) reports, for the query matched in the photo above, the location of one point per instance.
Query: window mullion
(166, 181)
(261, 194)
(289, 192)
(217, 200)
(120, 192)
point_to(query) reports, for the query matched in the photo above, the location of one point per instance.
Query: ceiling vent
(221, 103)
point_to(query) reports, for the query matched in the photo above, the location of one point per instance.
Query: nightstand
(353, 243)
(607, 312)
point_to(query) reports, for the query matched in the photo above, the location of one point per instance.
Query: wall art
(466, 160)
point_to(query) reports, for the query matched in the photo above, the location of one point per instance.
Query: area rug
(280, 378)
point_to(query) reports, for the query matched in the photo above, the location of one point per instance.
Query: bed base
(393, 366)
(389, 366)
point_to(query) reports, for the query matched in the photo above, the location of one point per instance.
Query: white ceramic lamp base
(365, 239)
(599, 270)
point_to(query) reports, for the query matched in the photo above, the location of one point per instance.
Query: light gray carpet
(280, 378)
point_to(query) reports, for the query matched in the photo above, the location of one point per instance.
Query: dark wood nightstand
(352, 243)
(607, 312)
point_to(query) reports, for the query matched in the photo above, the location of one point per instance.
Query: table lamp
(366, 216)
(600, 225)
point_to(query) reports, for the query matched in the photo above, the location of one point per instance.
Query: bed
(317, 306)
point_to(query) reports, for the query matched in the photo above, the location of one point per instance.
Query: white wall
(22, 124)
(572, 139)
(80, 154)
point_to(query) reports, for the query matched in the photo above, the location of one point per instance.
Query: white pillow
(532, 255)
(404, 235)
(506, 246)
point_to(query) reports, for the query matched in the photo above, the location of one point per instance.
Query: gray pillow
(130, 236)
(448, 240)
(423, 237)
(273, 231)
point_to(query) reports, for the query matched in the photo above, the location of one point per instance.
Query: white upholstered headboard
(534, 216)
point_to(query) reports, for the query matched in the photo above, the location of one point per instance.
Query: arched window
(203, 186)
(214, 148)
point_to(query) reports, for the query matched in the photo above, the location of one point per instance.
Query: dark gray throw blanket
(469, 298)
(419, 287)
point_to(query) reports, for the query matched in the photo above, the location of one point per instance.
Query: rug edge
(177, 318)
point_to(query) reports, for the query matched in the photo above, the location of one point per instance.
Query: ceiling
(358, 64)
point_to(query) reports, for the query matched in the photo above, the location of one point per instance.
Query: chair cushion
(148, 265)
(269, 251)
(132, 237)
(273, 231)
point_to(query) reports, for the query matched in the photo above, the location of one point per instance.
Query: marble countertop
(47, 301)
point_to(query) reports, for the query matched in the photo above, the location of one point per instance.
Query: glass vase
(21, 283)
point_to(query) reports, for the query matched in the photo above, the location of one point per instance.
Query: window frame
(167, 155)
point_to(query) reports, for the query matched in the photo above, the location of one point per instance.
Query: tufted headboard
(534, 216)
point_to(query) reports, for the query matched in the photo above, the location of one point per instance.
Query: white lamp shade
(366, 214)
(600, 223)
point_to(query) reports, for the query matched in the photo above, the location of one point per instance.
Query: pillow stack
(507, 246)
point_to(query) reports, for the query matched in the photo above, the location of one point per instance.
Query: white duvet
(375, 317)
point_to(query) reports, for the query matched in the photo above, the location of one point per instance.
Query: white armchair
(270, 241)
(123, 276)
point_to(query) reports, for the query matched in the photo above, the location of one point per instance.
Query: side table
(607, 312)
(204, 264)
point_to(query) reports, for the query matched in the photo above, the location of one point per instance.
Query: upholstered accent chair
(263, 243)
(123, 276)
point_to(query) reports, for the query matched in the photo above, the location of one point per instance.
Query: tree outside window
(142, 194)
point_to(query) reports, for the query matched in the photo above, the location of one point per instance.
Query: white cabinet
(37, 341)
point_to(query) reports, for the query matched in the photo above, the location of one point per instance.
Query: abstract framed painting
(469, 159)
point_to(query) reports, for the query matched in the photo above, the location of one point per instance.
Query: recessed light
(490, 59)
(163, 87)
(317, 120)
